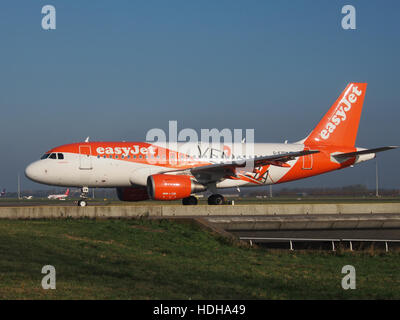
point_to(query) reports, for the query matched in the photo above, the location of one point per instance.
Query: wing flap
(276, 160)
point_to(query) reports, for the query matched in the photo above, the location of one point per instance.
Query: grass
(165, 259)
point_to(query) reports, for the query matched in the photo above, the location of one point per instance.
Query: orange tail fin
(339, 126)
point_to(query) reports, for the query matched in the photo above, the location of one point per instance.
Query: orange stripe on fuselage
(139, 152)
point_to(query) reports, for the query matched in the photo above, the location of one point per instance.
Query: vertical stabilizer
(339, 126)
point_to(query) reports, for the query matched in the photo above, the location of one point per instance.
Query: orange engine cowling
(171, 187)
(137, 193)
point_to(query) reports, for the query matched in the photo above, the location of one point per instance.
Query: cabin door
(85, 159)
(307, 161)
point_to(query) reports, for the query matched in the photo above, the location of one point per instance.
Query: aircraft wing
(214, 172)
(368, 151)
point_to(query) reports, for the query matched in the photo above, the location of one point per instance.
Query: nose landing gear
(82, 203)
(84, 196)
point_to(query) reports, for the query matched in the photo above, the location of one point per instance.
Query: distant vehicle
(59, 196)
(28, 197)
(3, 193)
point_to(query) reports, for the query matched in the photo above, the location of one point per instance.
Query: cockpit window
(59, 156)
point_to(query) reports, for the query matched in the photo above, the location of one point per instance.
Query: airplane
(59, 196)
(3, 193)
(142, 170)
(28, 197)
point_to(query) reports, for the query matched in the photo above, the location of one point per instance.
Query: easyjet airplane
(142, 171)
(59, 196)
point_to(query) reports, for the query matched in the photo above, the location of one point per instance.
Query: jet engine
(136, 193)
(172, 187)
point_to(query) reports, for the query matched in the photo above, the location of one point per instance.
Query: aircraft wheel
(82, 203)
(191, 201)
(216, 199)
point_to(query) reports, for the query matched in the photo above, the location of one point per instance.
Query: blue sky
(112, 70)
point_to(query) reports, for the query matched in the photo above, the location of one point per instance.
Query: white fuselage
(77, 170)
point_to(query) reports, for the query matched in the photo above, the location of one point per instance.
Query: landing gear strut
(84, 196)
(216, 199)
(192, 200)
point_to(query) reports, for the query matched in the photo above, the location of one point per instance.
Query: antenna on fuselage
(87, 139)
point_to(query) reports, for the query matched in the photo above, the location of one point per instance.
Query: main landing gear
(216, 199)
(84, 196)
(189, 201)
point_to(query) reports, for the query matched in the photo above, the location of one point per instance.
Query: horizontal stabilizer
(368, 151)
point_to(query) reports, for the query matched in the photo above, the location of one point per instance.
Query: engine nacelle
(171, 187)
(136, 193)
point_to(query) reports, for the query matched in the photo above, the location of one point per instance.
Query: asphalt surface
(33, 203)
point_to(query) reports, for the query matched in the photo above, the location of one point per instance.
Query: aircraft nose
(32, 171)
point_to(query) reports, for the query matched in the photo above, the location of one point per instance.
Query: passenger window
(53, 156)
(60, 156)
